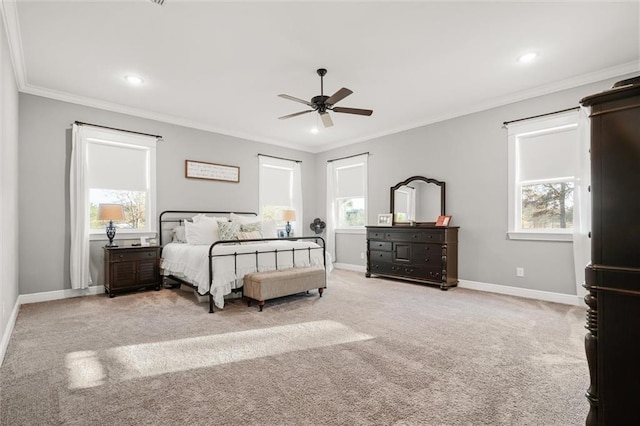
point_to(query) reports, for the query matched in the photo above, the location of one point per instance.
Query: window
(121, 170)
(280, 189)
(348, 199)
(542, 170)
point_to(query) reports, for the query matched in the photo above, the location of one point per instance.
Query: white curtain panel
(331, 217)
(79, 211)
(297, 199)
(582, 202)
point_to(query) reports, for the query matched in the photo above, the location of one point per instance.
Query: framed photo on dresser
(443, 220)
(385, 219)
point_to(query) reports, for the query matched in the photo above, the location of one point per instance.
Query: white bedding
(191, 263)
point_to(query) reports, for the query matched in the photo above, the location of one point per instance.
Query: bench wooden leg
(320, 290)
(261, 304)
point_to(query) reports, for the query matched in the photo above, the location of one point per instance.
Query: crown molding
(12, 25)
(570, 83)
(9, 11)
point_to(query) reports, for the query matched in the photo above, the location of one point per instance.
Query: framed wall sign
(211, 171)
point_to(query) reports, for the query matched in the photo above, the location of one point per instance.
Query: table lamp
(110, 212)
(289, 216)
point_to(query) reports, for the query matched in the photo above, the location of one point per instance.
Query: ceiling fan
(323, 104)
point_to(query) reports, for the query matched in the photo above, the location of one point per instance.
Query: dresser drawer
(427, 255)
(421, 272)
(380, 245)
(375, 235)
(434, 235)
(380, 256)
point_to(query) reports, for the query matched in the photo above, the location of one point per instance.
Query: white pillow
(203, 217)
(242, 219)
(269, 229)
(203, 232)
(179, 234)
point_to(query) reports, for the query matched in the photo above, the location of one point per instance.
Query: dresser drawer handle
(121, 256)
(434, 274)
(409, 270)
(430, 236)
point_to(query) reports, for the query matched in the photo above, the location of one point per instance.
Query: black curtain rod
(80, 123)
(279, 158)
(348, 156)
(541, 115)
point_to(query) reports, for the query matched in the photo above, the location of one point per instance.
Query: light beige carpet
(370, 351)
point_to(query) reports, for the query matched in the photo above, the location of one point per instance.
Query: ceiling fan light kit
(322, 104)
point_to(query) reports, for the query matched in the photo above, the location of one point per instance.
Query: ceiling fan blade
(338, 96)
(326, 119)
(353, 110)
(292, 98)
(295, 114)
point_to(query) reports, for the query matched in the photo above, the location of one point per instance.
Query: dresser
(613, 277)
(425, 254)
(131, 268)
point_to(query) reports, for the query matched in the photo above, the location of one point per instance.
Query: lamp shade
(289, 215)
(110, 212)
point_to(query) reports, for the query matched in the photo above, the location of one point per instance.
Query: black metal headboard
(179, 216)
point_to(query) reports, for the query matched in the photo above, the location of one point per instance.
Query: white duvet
(191, 263)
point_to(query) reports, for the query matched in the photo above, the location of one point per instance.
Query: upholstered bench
(267, 285)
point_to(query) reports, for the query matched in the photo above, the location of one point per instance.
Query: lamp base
(288, 228)
(111, 234)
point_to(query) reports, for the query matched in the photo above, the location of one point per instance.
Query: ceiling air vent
(158, 2)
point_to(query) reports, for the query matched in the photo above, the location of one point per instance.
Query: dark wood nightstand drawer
(137, 254)
(380, 256)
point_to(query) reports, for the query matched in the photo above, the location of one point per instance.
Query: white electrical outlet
(361, 255)
(519, 272)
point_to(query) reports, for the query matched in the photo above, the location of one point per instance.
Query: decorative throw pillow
(227, 230)
(253, 235)
(251, 227)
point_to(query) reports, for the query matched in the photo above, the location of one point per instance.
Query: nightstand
(131, 268)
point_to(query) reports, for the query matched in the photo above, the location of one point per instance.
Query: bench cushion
(271, 284)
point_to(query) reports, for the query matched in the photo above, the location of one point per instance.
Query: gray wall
(44, 175)
(469, 153)
(8, 189)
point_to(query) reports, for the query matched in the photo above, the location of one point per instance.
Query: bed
(216, 266)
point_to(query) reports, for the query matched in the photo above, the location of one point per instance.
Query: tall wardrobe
(612, 279)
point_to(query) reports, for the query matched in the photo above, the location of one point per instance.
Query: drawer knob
(121, 256)
(430, 236)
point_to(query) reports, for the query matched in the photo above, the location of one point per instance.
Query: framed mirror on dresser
(413, 248)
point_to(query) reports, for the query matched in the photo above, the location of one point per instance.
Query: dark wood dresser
(131, 268)
(613, 277)
(426, 254)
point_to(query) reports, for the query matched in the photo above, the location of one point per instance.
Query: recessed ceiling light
(134, 79)
(527, 57)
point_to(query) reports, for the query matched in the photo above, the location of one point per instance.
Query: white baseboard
(59, 294)
(548, 296)
(350, 267)
(8, 331)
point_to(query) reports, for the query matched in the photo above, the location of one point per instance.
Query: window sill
(540, 236)
(121, 236)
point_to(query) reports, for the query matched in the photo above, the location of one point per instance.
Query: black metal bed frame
(318, 240)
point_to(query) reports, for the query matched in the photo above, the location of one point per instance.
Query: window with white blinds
(350, 192)
(542, 168)
(120, 169)
(280, 189)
